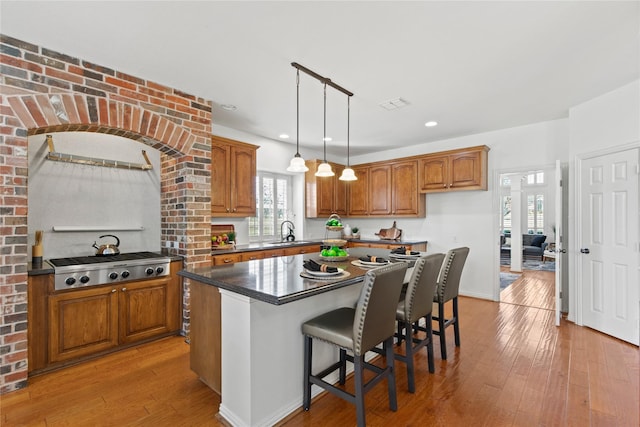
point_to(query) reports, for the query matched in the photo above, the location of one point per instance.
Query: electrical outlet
(167, 244)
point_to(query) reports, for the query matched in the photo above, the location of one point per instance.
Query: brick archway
(46, 91)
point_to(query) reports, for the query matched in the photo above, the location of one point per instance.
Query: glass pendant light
(297, 163)
(347, 173)
(324, 168)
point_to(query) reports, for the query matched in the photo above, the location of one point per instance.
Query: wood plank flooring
(534, 288)
(514, 368)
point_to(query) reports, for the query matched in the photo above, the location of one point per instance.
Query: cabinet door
(434, 173)
(325, 195)
(466, 170)
(243, 181)
(143, 308)
(82, 322)
(339, 192)
(220, 188)
(359, 193)
(404, 188)
(380, 190)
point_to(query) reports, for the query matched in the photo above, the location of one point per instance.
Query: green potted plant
(355, 233)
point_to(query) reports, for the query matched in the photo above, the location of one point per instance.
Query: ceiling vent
(394, 104)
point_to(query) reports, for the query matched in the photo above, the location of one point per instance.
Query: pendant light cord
(324, 138)
(298, 113)
(348, 121)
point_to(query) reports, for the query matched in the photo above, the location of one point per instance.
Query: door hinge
(560, 294)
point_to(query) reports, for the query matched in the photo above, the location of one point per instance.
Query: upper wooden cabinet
(325, 195)
(386, 189)
(233, 178)
(455, 170)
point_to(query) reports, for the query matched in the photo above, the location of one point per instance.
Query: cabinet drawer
(298, 250)
(250, 256)
(226, 259)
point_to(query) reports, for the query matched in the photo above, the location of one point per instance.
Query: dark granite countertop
(277, 280)
(388, 242)
(250, 247)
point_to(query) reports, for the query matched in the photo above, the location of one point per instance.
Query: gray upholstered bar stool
(358, 330)
(447, 290)
(416, 303)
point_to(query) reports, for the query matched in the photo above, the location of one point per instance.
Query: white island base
(262, 354)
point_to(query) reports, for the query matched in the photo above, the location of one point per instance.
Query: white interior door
(558, 242)
(609, 244)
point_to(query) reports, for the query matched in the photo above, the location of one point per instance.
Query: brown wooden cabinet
(455, 170)
(358, 194)
(71, 325)
(386, 189)
(82, 322)
(324, 196)
(380, 190)
(233, 178)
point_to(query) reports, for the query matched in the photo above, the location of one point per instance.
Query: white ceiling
(472, 66)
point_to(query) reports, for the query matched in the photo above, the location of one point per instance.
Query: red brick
(63, 75)
(47, 109)
(120, 83)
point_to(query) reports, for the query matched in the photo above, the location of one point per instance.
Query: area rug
(530, 264)
(507, 278)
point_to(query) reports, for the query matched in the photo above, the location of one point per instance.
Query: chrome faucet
(291, 228)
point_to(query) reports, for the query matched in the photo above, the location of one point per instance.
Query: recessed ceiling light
(284, 136)
(228, 107)
(431, 124)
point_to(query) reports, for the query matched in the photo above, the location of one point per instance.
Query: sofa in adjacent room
(533, 245)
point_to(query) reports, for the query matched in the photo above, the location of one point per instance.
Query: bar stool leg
(456, 325)
(359, 389)
(391, 378)
(429, 331)
(441, 326)
(343, 366)
(306, 399)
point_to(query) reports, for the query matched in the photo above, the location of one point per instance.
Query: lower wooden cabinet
(412, 247)
(68, 326)
(231, 258)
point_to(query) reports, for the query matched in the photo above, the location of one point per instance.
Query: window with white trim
(273, 203)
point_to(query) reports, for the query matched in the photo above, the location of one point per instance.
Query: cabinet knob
(234, 209)
(227, 209)
(113, 291)
(445, 186)
(124, 289)
(227, 260)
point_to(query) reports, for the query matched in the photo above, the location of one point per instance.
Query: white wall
(604, 123)
(470, 218)
(68, 194)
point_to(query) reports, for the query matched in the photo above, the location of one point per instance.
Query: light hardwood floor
(514, 368)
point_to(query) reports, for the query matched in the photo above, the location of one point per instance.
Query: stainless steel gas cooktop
(77, 272)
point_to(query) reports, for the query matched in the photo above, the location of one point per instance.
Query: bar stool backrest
(375, 313)
(418, 300)
(449, 279)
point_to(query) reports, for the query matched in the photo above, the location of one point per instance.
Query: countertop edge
(270, 299)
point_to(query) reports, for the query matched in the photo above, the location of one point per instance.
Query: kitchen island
(262, 306)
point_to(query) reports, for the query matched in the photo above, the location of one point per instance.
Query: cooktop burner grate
(66, 262)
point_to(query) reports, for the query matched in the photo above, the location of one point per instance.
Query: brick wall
(46, 91)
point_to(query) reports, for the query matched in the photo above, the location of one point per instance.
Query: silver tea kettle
(108, 249)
